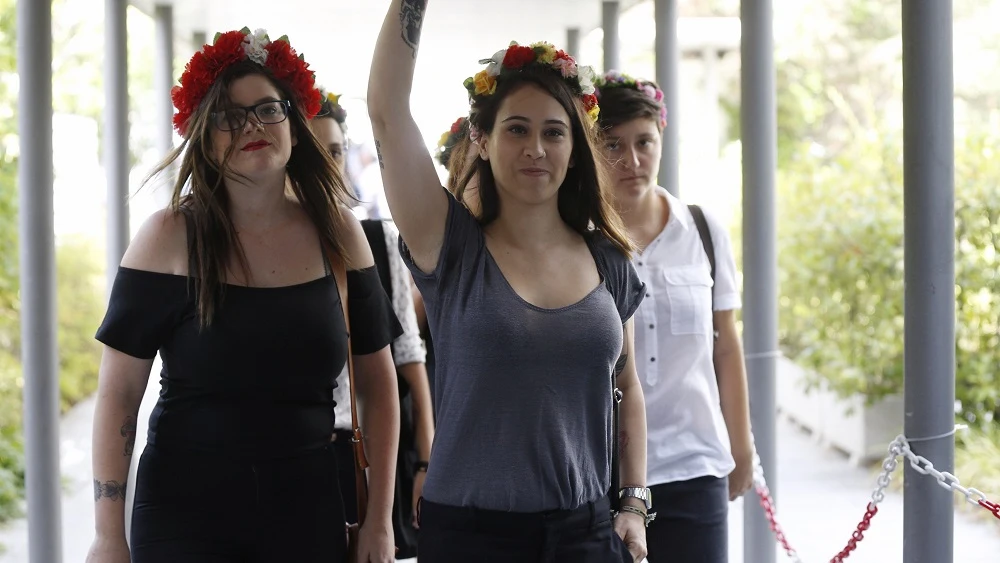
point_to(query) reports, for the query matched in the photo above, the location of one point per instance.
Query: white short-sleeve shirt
(686, 436)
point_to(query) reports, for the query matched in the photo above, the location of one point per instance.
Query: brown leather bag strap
(360, 460)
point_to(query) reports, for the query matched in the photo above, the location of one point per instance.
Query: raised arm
(416, 199)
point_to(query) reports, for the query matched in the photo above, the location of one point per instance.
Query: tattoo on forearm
(620, 364)
(378, 151)
(109, 489)
(128, 432)
(411, 19)
(622, 442)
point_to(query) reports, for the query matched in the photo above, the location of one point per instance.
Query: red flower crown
(231, 47)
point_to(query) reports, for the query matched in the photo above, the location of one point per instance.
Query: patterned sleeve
(408, 348)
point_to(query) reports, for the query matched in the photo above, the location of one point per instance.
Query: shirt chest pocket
(689, 293)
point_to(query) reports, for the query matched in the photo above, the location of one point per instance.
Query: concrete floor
(822, 498)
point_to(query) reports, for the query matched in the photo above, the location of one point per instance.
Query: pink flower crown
(515, 58)
(615, 79)
(231, 47)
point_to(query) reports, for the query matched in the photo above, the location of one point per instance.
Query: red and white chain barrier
(899, 447)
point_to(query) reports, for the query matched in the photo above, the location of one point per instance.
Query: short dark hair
(621, 105)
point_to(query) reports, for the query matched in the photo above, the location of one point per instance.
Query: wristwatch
(641, 493)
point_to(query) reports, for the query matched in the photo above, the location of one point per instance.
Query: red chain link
(991, 506)
(858, 534)
(767, 503)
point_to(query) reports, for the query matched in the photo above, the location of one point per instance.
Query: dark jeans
(450, 534)
(691, 523)
(199, 508)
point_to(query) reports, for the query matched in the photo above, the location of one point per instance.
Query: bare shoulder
(355, 243)
(160, 245)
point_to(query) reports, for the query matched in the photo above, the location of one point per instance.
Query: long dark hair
(584, 196)
(458, 156)
(199, 192)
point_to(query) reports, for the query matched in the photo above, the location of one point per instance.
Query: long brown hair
(458, 157)
(585, 195)
(199, 192)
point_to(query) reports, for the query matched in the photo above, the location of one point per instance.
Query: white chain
(889, 465)
(946, 480)
(898, 447)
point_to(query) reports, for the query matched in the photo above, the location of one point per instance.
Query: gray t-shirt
(522, 394)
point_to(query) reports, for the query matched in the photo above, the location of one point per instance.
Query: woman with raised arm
(237, 286)
(416, 424)
(700, 451)
(530, 308)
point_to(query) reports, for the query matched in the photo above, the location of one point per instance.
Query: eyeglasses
(267, 113)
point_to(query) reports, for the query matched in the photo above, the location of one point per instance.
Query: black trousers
(404, 534)
(450, 534)
(200, 508)
(691, 524)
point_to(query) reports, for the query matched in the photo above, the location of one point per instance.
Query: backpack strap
(706, 242)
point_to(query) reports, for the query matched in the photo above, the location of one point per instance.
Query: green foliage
(840, 263)
(976, 455)
(840, 259)
(977, 290)
(80, 298)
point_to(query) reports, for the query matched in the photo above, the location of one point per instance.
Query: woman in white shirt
(688, 351)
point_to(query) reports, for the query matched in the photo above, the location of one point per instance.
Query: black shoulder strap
(706, 242)
(376, 240)
(706, 236)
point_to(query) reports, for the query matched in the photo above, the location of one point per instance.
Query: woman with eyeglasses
(236, 286)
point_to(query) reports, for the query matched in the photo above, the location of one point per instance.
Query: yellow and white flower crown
(515, 58)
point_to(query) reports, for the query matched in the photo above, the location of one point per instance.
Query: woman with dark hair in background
(699, 448)
(416, 428)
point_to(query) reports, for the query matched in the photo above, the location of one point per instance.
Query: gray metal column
(573, 42)
(199, 39)
(163, 79)
(116, 154)
(710, 66)
(929, 224)
(758, 115)
(667, 61)
(612, 41)
(38, 287)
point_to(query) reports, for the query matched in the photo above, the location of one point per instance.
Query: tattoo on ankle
(109, 489)
(128, 432)
(411, 18)
(378, 151)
